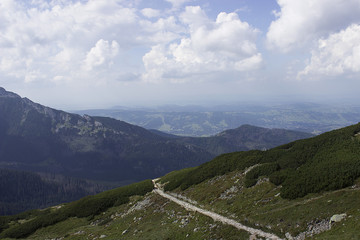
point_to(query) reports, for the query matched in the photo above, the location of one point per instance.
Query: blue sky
(101, 53)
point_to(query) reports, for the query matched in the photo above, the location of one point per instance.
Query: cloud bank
(226, 44)
(299, 22)
(117, 45)
(336, 55)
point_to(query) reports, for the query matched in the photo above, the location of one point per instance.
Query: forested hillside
(21, 190)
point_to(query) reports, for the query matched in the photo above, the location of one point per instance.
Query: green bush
(279, 177)
(262, 170)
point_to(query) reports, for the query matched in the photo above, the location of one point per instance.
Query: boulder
(337, 217)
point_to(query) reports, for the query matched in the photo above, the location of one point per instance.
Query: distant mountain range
(36, 138)
(207, 121)
(243, 138)
(42, 139)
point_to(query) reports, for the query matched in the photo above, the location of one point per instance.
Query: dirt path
(213, 215)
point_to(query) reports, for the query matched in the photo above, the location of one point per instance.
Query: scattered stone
(97, 222)
(262, 180)
(125, 231)
(103, 236)
(79, 232)
(230, 193)
(184, 222)
(140, 205)
(337, 217)
(252, 237)
(314, 227)
(288, 236)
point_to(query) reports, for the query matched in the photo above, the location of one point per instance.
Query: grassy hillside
(261, 206)
(87, 207)
(291, 190)
(152, 217)
(326, 162)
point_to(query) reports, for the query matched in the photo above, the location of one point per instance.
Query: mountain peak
(4, 93)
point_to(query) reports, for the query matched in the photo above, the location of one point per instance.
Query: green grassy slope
(326, 162)
(292, 190)
(87, 207)
(261, 206)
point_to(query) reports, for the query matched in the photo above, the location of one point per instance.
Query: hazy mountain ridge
(39, 138)
(207, 121)
(245, 137)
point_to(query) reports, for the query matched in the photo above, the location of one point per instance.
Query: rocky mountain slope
(307, 189)
(36, 138)
(39, 138)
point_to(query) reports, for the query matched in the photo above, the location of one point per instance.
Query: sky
(85, 54)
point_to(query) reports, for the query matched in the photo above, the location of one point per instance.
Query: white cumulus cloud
(335, 55)
(40, 40)
(103, 52)
(227, 44)
(299, 22)
(150, 12)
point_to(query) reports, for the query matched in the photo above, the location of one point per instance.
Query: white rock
(337, 217)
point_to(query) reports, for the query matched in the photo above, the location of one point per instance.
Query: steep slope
(41, 139)
(309, 189)
(38, 138)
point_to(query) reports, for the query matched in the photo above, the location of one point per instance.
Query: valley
(242, 187)
(109, 152)
(179, 120)
(197, 121)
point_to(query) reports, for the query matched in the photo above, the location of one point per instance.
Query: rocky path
(213, 215)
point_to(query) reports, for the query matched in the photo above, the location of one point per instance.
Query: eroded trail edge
(214, 216)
